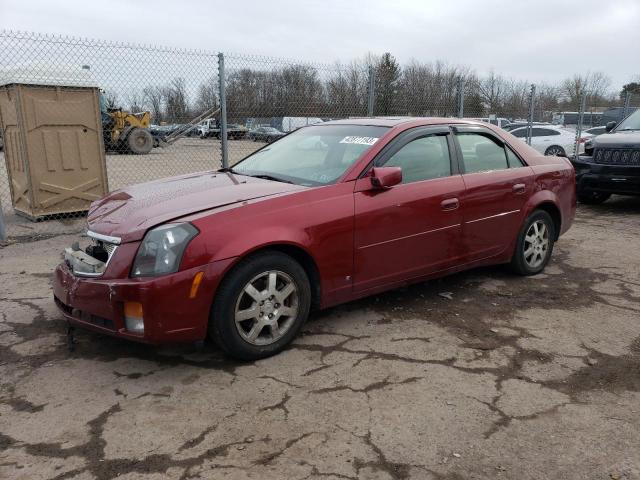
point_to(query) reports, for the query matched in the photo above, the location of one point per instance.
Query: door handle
(519, 188)
(450, 204)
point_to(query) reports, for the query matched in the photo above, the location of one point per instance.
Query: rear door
(497, 185)
(413, 228)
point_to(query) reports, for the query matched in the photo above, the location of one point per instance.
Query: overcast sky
(536, 40)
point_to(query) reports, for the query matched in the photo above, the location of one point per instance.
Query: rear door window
(481, 153)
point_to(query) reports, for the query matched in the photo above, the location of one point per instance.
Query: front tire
(140, 141)
(592, 198)
(534, 245)
(260, 306)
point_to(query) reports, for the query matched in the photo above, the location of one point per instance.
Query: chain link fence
(147, 96)
(267, 98)
(157, 112)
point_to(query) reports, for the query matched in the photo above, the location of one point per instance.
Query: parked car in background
(327, 214)
(513, 125)
(159, 132)
(550, 140)
(595, 131)
(498, 122)
(289, 124)
(265, 134)
(610, 163)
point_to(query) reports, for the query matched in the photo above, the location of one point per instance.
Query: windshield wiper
(270, 177)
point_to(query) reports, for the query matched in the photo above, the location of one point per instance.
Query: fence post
(223, 112)
(461, 97)
(371, 91)
(583, 107)
(627, 104)
(532, 103)
(3, 229)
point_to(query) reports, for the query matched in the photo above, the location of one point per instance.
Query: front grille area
(85, 316)
(617, 156)
(109, 247)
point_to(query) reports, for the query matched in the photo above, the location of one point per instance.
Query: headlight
(161, 250)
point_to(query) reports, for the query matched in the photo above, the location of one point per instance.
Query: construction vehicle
(125, 132)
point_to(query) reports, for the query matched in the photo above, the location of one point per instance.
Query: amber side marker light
(133, 317)
(197, 279)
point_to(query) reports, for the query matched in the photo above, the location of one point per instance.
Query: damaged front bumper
(96, 294)
(83, 264)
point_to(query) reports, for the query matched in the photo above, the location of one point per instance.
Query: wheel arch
(548, 201)
(554, 212)
(295, 251)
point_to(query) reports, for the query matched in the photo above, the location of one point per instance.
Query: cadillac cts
(327, 214)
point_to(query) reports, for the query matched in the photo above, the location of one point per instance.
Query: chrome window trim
(104, 238)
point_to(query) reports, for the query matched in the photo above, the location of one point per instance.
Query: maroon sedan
(328, 214)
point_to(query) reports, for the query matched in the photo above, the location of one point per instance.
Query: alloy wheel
(266, 307)
(554, 151)
(536, 244)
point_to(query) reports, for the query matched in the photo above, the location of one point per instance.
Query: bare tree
(154, 97)
(594, 85)
(135, 102)
(207, 96)
(176, 104)
(492, 90)
(346, 90)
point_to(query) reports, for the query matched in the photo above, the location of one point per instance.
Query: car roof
(543, 126)
(395, 121)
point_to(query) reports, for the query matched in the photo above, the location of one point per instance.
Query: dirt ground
(187, 155)
(510, 377)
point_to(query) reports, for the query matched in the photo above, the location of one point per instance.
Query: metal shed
(54, 153)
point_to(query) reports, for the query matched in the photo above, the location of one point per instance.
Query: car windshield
(316, 155)
(632, 122)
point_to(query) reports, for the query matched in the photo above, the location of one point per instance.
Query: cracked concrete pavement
(513, 377)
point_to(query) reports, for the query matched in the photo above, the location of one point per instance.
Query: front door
(413, 228)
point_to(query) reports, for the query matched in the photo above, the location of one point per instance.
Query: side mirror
(610, 126)
(385, 177)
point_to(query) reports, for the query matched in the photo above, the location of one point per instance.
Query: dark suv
(611, 162)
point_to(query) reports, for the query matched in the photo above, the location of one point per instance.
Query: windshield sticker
(359, 140)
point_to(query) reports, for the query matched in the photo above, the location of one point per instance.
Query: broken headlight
(161, 250)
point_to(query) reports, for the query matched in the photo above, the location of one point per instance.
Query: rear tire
(592, 198)
(260, 306)
(140, 141)
(534, 245)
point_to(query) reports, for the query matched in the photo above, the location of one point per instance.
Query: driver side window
(422, 159)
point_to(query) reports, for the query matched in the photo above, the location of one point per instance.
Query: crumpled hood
(129, 212)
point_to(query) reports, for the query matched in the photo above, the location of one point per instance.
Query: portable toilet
(53, 146)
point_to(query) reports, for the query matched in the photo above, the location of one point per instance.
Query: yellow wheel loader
(127, 132)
